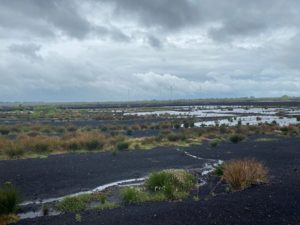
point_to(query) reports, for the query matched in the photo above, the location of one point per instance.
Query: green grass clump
(236, 138)
(131, 195)
(215, 142)
(160, 186)
(8, 199)
(179, 180)
(72, 205)
(219, 170)
(79, 203)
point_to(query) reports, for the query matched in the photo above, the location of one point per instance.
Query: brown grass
(8, 219)
(240, 174)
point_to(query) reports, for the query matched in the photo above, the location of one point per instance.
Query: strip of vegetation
(32, 144)
(164, 185)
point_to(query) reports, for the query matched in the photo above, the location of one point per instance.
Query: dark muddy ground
(59, 175)
(275, 203)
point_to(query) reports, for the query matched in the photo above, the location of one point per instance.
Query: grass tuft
(8, 199)
(241, 174)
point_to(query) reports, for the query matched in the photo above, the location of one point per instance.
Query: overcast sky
(100, 50)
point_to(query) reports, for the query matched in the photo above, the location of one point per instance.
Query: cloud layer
(73, 50)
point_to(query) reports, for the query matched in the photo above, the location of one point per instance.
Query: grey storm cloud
(27, 50)
(42, 17)
(101, 49)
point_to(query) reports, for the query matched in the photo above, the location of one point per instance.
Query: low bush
(122, 146)
(93, 145)
(14, 151)
(41, 147)
(8, 199)
(4, 131)
(236, 138)
(240, 174)
(215, 142)
(219, 170)
(176, 137)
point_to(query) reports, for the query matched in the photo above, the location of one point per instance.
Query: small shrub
(177, 126)
(74, 146)
(122, 146)
(8, 199)
(219, 170)
(214, 143)
(176, 137)
(4, 131)
(14, 151)
(93, 145)
(236, 138)
(240, 174)
(41, 147)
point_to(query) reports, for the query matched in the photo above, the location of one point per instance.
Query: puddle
(226, 114)
(97, 189)
(250, 120)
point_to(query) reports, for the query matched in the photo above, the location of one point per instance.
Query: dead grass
(240, 174)
(8, 219)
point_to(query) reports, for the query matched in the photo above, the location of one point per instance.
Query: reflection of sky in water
(247, 115)
(250, 120)
(217, 111)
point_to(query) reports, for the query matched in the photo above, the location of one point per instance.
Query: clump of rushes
(163, 185)
(236, 138)
(241, 174)
(8, 199)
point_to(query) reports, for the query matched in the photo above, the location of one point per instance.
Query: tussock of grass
(164, 185)
(240, 174)
(215, 142)
(8, 199)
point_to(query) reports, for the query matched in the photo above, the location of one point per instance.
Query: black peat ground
(277, 203)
